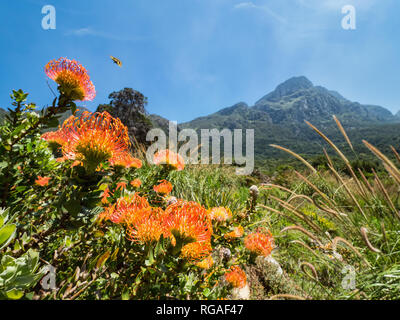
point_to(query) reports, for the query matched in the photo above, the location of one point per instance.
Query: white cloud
(88, 31)
(245, 5)
(264, 8)
(81, 32)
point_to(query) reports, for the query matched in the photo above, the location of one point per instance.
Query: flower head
(42, 181)
(165, 187)
(136, 183)
(196, 251)
(54, 137)
(105, 195)
(93, 138)
(147, 225)
(170, 158)
(236, 276)
(188, 219)
(72, 78)
(236, 233)
(254, 192)
(126, 209)
(127, 161)
(206, 263)
(121, 186)
(220, 214)
(260, 243)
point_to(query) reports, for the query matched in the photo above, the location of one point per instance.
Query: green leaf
(14, 294)
(6, 234)
(125, 295)
(102, 260)
(114, 255)
(206, 292)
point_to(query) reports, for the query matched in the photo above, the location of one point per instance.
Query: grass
(327, 224)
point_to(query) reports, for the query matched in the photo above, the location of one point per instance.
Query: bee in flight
(116, 61)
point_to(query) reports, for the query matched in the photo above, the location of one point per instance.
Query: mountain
(294, 101)
(160, 122)
(278, 118)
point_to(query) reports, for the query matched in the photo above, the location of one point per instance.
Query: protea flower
(72, 78)
(127, 161)
(147, 225)
(196, 251)
(106, 194)
(236, 233)
(206, 263)
(164, 188)
(169, 158)
(260, 243)
(54, 137)
(125, 209)
(136, 183)
(93, 138)
(121, 186)
(236, 277)
(42, 181)
(189, 220)
(220, 214)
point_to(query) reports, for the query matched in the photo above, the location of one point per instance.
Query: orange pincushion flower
(121, 186)
(169, 157)
(165, 187)
(206, 263)
(236, 276)
(260, 243)
(136, 183)
(106, 194)
(196, 251)
(54, 137)
(42, 181)
(125, 209)
(95, 137)
(72, 78)
(189, 219)
(127, 161)
(147, 225)
(236, 233)
(220, 214)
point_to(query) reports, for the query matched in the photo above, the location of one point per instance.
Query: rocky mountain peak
(286, 88)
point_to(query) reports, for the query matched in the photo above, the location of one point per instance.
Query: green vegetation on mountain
(279, 118)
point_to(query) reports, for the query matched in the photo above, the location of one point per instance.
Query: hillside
(279, 117)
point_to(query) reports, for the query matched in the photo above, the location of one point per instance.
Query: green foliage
(129, 106)
(16, 275)
(341, 215)
(212, 186)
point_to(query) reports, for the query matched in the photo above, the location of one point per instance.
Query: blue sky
(194, 57)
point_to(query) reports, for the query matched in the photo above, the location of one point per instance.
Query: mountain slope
(279, 118)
